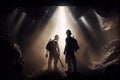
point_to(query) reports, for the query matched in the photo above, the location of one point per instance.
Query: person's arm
(65, 47)
(58, 50)
(46, 55)
(57, 47)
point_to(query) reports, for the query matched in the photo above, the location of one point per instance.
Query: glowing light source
(23, 13)
(105, 25)
(86, 23)
(19, 23)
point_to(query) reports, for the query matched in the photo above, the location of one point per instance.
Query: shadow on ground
(57, 75)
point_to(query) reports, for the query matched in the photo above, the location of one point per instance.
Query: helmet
(68, 32)
(56, 36)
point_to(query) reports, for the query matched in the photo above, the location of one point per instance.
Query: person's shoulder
(67, 38)
(55, 41)
(72, 38)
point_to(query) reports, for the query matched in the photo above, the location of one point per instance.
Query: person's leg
(56, 62)
(69, 67)
(49, 62)
(68, 61)
(74, 63)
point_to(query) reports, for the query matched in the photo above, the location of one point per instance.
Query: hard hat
(68, 32)
(56, 36)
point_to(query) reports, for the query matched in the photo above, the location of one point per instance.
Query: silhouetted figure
(70, 48)
(54, 52)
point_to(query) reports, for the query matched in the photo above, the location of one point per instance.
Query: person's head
(68, 32)
(56, 37)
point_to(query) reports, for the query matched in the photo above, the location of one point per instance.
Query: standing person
(54, 52)
(70, 48)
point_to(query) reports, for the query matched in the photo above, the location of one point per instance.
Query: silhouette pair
(71, 47)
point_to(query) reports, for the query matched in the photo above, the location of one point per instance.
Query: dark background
(36, 9)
